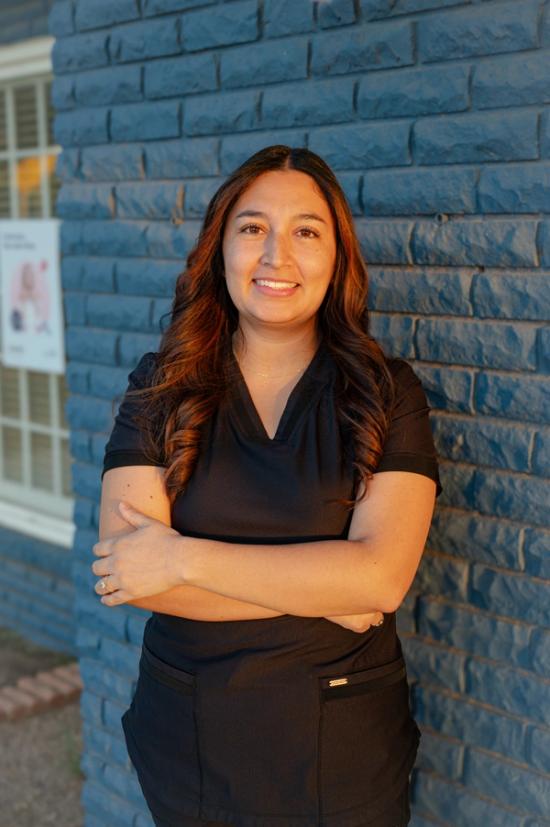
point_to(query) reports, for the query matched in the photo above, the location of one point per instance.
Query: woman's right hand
(357, 623)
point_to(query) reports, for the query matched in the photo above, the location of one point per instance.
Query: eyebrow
(257, 213)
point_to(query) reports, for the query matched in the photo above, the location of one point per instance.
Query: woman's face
(279, 250)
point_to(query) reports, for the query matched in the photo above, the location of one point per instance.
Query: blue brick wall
(435, 116)
(37, 591)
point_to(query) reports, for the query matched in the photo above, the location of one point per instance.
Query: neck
(262, 353)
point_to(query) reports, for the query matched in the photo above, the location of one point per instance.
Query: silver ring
(103, 584)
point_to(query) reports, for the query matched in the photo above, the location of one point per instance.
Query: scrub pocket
(367, 741)
(161, 735)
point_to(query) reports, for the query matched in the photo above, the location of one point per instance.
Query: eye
(312, 233)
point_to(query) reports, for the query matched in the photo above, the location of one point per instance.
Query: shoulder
(408, 386)
(141, 375)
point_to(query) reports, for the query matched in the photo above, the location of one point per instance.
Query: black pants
(397, 815)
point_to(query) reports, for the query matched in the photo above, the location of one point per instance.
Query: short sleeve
(409, 445)
(126, 445)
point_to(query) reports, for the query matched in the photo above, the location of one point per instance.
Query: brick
(379, 9)
(490, 243)
(507, 782)
(540, 748)
(198, 194)
(385, 242)
(179, 76)
(327, 102)
(447, 388)
(143, 278)
(144, 39)
(511, 595)
(363, 145)
(115, 84)
(541, 651)
(512, 397)
(474, 632)
(85, 201)
(541, 454)
(437, 798)
(473, 537)
(95, 346)
(264, 63)
(535, 549)
(544, 243)
(441, 755)
(283, 17)
(25, 703)
(474, 440)
(419, 191)
(478, 31)
(472, 723)
(62, 92)
(471, 138)
(66, 690)
(434, 664)
(518, 497)
(149, 200)
(46, 696)
(103, 13)
(112, 163)
(60, 19)
(182, 159)
(515, 189)
(439, 574)
(119, 312)
(472, 342)
(409, 92)
(227, 112)
(393, 290)
(169, 241)
(367, 48)
(114, 237)
(235, 23)
(514, 80)
(82, 51)
(145, 121)
(337, 13)
(154, 7)
(508, 296)
(81, 127)
(394, 334)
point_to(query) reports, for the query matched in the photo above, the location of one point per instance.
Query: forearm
(315, 579)
(194, 603)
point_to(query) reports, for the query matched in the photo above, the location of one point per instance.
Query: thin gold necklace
(270, 375)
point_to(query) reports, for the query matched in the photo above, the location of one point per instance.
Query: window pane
(39, 397)
(5, 208)
(63, 399)
(53, 180)
(10, 392)
(28, 184)
(66, 482)
(3, 131)
(50, 114)
(41, 461)
(26, 125)
(11, 447)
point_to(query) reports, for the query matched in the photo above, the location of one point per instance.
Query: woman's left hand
(140, 563)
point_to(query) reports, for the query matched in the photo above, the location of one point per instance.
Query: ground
(40, 775)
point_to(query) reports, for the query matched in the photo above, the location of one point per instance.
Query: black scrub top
(287, 721)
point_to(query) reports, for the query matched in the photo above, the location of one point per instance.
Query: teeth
(275, 284)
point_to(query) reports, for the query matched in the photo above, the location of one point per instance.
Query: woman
(280, 477)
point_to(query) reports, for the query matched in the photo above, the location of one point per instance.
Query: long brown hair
(193, 365)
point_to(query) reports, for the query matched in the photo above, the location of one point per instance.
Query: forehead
(282, 189)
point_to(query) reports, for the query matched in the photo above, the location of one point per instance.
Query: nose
(275, 251)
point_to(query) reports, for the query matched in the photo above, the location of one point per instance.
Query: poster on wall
(32, 310)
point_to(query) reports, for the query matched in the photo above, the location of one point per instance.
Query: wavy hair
(193, 364)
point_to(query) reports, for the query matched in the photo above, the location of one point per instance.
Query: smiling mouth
(275, 284)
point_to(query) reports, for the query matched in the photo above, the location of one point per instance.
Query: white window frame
(23, 61)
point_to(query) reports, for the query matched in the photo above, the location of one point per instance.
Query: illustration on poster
(30, 298)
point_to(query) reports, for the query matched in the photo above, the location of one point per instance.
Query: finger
(100, 549)
(101, 567)
(116, 598)
(110, 585)
(133, 516)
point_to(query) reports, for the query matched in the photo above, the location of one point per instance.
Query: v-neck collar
(295, 404)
